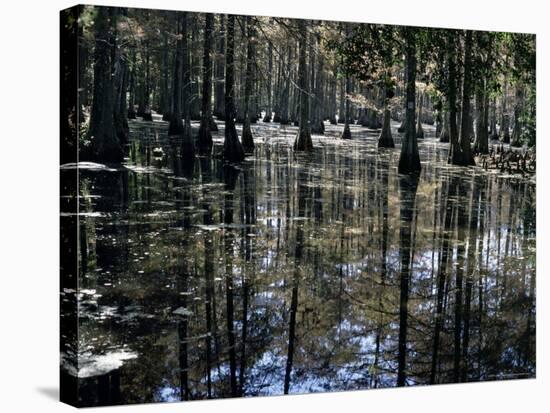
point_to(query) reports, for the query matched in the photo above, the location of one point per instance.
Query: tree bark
(409, 159)
(247, 138)
(232, 149)
(269, 102)
(516, 131)
(205, 135)
(105, 144)
(303, 138)
(419, 129)
(346, 134)
(466, 128)
(385, 140)
(219, 110)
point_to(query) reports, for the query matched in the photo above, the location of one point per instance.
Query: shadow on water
(295, 274)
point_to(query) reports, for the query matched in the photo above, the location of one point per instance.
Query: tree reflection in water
(291, 274)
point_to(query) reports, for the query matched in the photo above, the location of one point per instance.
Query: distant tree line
(473, 86)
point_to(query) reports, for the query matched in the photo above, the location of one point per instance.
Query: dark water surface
(299, 273)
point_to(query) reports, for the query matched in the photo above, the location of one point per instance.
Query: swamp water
(299, 273)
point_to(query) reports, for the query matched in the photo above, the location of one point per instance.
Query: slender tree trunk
(318, 126)
(285, 118)
(332, 104)
(120, 86)
(146, 113)
(516, 131)
(175, 127)
(219, 110)
(445, 134)
(454, 148)
(481, 144)
(105, 144)
(303, 138)
(419, 129)
(232, 149)
(132, 88)
(269, 105)
(341, 108)
(247, 138)
(205, 135)
(504, 132)
(409, 159)
(164, 98)
(346, 134)
(494, 131)
(466, 128)
(385, 140)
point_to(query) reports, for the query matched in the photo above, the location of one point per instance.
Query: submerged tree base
(148, 116)
(303, 140)
(318, 128)
(346, 134)
(204, 138)
(247, 138)
(212, 124)
(233, 150)
(409, 165)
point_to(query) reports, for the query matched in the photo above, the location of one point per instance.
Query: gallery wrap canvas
(255, 206)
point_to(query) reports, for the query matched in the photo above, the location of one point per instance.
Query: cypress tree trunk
(146, 108)
(277, 93)
(247, 138)
(182, 79)
(164, 99)
(318, 126)
(444, 136)
(195, 70)
(269, 105)
(454, 148)
(438, 118)
(493, 126)
(466, 127)
(419, 130)
(188, 143)
(401, 127)
(341, 108)
(346, 134)
(232, 148)
(219, 82)
(285, 98)
(409, 159)
(105, 144)
(516, 132)
(481, 144)
(239, 89)
(205, 135)
(132, 88)
(311, 80)
(332, 104)
(504, 133)
(175, 127)
(120, 86)
(303, 138)
(385, 140)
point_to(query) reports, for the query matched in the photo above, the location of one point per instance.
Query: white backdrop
(29, 101)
